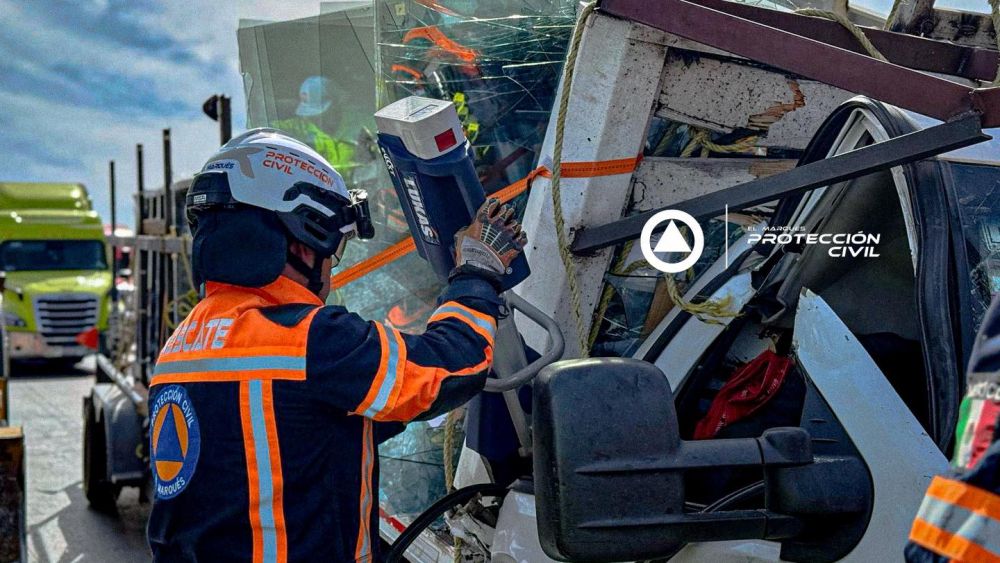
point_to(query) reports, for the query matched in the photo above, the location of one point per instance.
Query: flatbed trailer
(115, 413)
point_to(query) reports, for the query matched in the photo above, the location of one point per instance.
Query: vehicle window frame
(104, 254)
(940, 373)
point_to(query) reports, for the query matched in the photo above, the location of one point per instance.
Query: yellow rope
(702, 138)
(609, 291)
(450, 465)
(708, 311)
(560, 222)
(839, 15)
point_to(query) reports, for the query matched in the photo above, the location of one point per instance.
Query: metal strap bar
(900, 150)
(906, 50)
(904, 87)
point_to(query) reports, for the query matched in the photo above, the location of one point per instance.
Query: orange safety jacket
(266, 408)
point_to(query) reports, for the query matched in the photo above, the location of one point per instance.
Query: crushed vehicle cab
(861, 349)
(57, 274)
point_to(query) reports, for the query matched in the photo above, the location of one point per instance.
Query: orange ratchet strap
(569, 170)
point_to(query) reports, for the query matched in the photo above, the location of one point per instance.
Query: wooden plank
(154, 227)
(661, 182)
(724, 94)
(962, 28)
(910, 16)
(12, 494)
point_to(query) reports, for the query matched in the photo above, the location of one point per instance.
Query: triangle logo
(168, 446)
(672, 240)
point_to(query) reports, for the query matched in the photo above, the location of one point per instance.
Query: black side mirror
(609, 466)
(3, 281)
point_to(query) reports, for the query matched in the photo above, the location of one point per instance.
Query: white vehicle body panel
(900, 455)
(516, 538)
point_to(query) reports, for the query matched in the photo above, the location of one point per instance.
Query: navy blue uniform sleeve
(959, 518)
(374, 370)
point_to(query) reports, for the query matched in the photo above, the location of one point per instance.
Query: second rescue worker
(266, 406)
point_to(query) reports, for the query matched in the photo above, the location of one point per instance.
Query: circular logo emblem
(671, 241)
(175, 441)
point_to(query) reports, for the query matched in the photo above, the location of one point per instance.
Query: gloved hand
(491, 242)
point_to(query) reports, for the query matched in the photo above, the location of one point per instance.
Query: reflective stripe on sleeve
(960, 521)
(393, 362)
(483, 324)
(363, 550)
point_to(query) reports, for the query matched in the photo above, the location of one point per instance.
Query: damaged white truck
(788, 396)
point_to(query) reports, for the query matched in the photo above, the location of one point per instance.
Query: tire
(101, 493)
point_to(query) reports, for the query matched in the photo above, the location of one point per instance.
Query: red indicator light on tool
(445, 140)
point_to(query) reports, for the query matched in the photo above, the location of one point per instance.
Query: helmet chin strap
(314, 273)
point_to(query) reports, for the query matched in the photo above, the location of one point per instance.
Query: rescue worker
(959, 518)
(266, 406)
(313, 118)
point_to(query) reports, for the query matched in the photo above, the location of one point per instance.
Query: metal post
(225, 119)
(168, 211)
(114, 243)
(140, 188)
(114, 218)
(140, 270)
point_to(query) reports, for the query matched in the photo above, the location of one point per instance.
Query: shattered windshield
(977, 189)
(321, 79)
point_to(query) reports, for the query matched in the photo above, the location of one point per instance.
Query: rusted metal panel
(661, 182)
(727, 94)
(894, 84)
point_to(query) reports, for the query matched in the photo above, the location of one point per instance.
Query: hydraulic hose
(427, 517)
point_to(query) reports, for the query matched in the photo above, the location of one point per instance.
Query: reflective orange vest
(257, 448)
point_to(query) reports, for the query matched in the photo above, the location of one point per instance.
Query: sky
(83, 81)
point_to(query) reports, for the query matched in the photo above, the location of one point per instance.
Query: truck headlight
(13, 320)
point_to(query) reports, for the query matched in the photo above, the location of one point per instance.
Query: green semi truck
(58, 277)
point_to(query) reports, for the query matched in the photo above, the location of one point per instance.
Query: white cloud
(77, 93)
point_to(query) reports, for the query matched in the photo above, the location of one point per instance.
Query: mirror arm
(777, 447)
(711, 526)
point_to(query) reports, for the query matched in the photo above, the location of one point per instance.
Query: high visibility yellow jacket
(339, 153)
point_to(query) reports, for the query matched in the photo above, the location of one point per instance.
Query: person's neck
(295, 275)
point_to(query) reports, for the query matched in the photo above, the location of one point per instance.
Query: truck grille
(63, 316)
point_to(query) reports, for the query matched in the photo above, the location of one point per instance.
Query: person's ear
(302, 251)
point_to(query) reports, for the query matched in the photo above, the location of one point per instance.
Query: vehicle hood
(97, 282)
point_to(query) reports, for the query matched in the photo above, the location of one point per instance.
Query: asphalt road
(61, 528)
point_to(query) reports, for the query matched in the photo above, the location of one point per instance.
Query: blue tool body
(439, 196)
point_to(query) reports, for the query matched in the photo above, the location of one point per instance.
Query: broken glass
(321, 79)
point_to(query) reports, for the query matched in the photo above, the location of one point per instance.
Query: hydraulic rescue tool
(432, 168)
(431, 165)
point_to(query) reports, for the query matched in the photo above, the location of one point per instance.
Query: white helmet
(269, 170)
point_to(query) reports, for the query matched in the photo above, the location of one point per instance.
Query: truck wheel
(101, 494)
